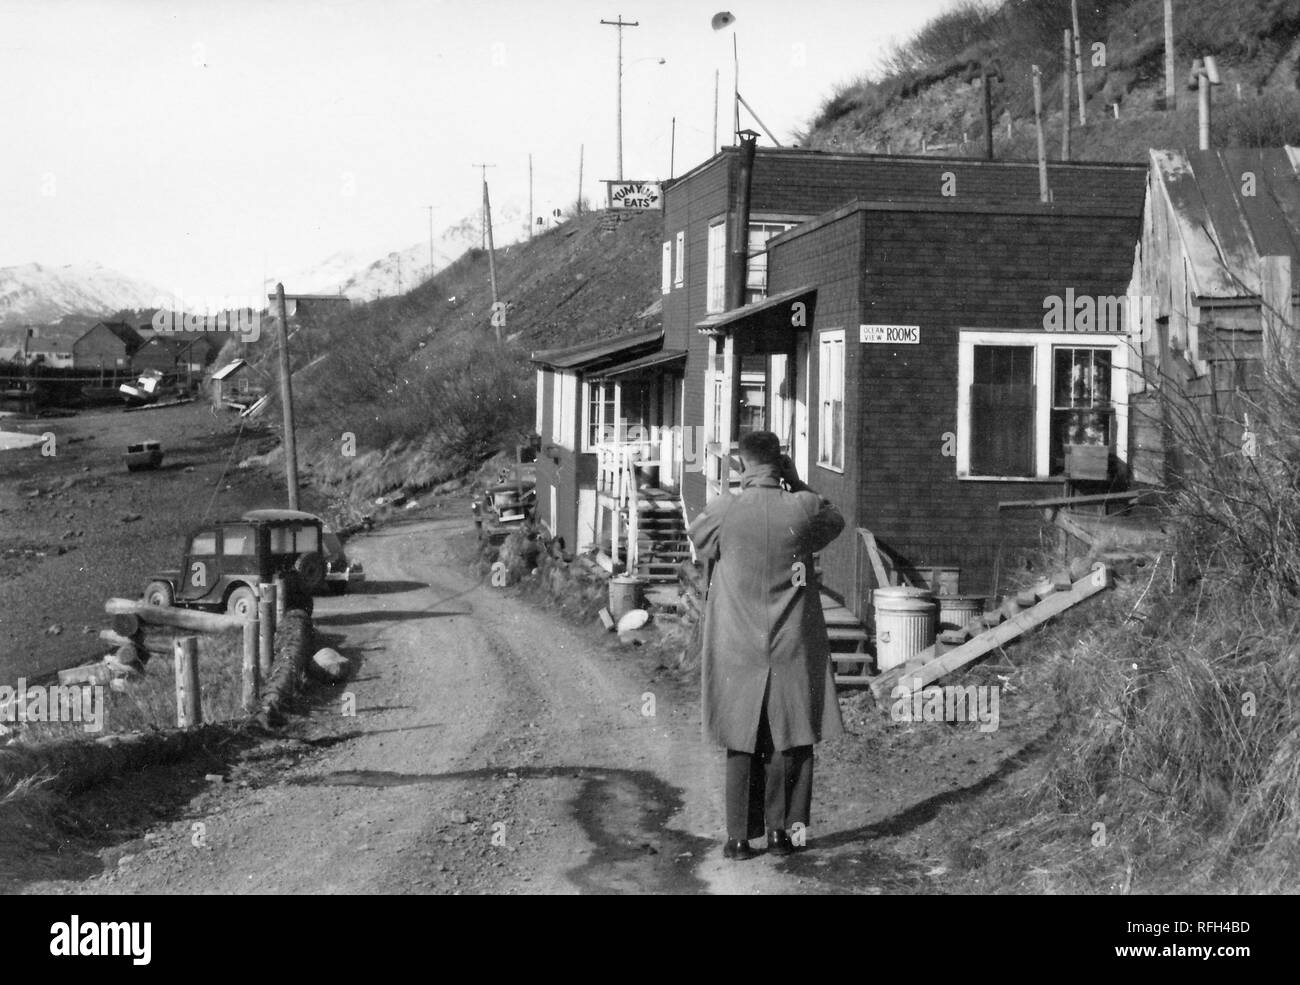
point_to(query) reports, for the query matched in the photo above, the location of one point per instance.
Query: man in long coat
(767, 691)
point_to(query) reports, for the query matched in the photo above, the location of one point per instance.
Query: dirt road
(497, 748)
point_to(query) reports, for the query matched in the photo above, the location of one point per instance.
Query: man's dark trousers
(767, 785)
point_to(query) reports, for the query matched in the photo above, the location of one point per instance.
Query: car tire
(242, 602)
(159, 593)
(311, 569)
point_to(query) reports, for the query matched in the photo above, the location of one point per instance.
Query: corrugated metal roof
(1231, 206)
(600, 352)
(226, 370)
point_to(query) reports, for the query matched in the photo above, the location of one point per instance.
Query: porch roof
(662, 360)
(773, 312)
(601, 353)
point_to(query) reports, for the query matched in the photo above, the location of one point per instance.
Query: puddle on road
(624, 813)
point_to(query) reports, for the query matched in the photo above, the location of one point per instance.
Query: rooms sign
(890, 334)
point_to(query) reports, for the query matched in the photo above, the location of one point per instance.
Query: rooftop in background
(1231, 207)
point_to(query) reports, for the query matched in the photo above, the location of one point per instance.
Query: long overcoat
(763, 620)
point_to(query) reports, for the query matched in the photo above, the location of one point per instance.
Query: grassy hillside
(416, 387)
(927, 97)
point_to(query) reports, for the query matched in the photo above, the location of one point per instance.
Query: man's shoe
(778, 843)
(738, 850)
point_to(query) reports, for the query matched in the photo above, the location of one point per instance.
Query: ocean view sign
(635, 195)
(886, 334)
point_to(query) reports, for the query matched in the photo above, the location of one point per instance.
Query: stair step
(847, 633)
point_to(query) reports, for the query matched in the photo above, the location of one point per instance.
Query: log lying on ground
(293, 645)
(166, 615)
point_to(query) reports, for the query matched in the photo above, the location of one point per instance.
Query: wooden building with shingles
(895, 334)
(1220, 238)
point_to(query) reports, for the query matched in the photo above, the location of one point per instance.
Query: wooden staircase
(849, 640)
(661, 544)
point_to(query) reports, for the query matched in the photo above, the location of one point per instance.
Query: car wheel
(311, 569)
(242, 603)
(158, 593)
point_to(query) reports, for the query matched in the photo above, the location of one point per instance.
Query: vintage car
(143, 455)
(340, 572)
(225, 563)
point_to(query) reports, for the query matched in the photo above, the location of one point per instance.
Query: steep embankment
(928, 95)
(414, 390)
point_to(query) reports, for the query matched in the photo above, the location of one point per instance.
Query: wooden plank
(165, 615)
(918, 677)
(873, 553)
(1116, 497)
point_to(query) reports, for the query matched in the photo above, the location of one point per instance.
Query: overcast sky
(200, 144)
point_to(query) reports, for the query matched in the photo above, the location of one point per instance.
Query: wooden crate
(1087, 461)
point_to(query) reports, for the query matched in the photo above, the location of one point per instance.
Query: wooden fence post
(251, 669)
(266, 613)
(189, 710)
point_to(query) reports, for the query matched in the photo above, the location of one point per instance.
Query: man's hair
(760, 448)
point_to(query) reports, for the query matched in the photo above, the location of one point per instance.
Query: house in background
(1219, 245)
(106, 346)
(53, 345)
(606, 415)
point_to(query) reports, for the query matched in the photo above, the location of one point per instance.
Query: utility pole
(1065, 98)
(286, 401)
(715, 110)
(578, 207)
(484, 226)
(672, 147)
(492, 255)
(1044, 193)
(1078, 62)
(1171, 90)
(620, 24)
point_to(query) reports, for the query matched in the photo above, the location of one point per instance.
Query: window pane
(204, 543)
(717, 267)
(1002, 411)
(281, 540)
(307, 540)
(238, 540)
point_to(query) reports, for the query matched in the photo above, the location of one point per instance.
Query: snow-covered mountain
(363, 278)
(41, 294)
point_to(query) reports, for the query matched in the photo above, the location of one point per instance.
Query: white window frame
(716, 278)
(756, 258)
(541, 404)
(666, 268)
(587, 386)
(679, 264)
(564, 421)
(826, 344)
(1042, 343)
